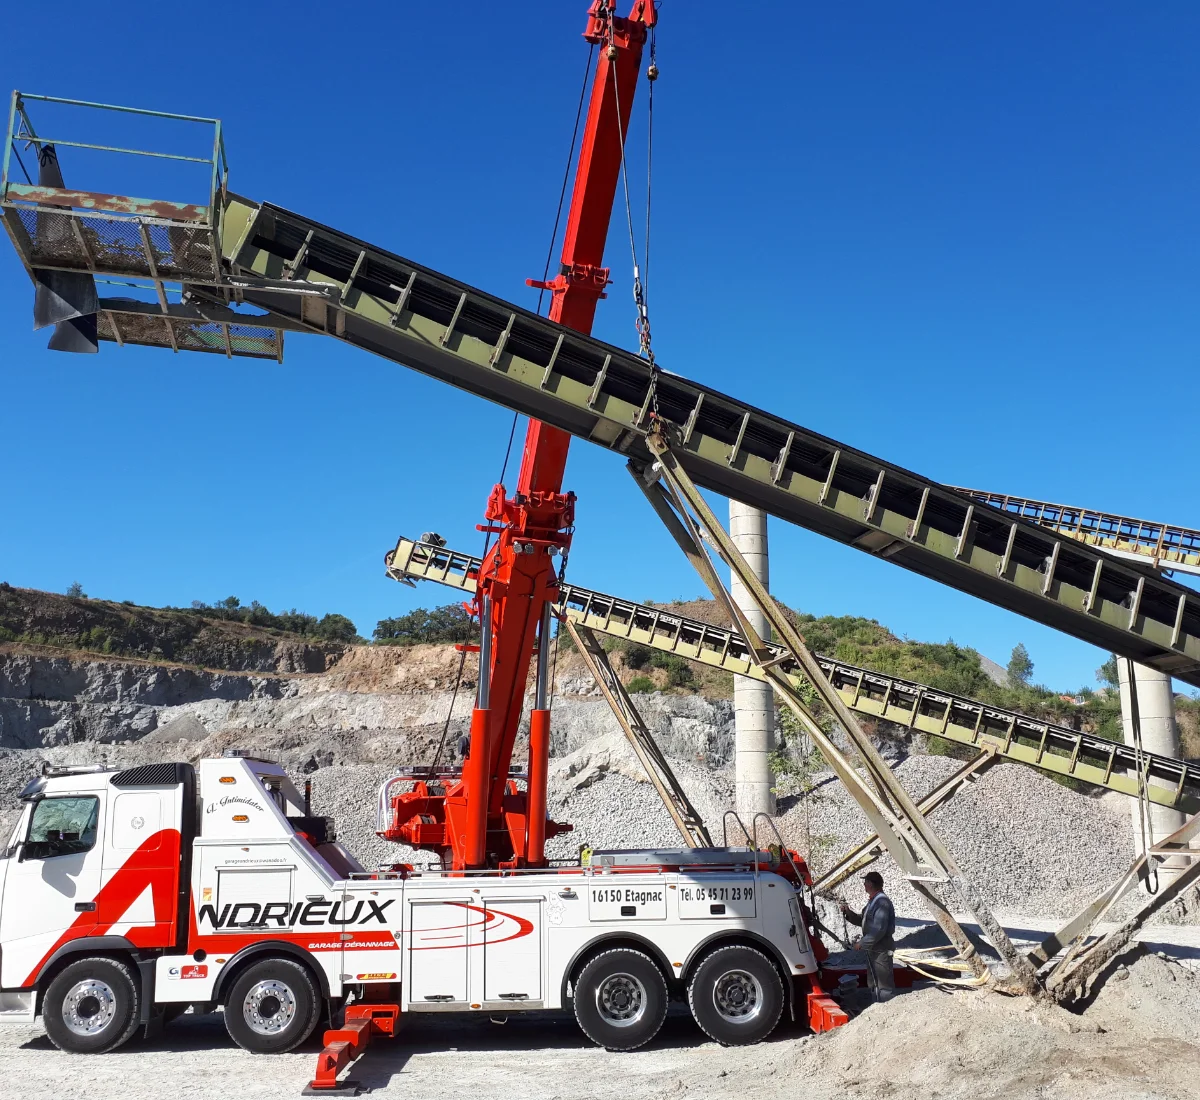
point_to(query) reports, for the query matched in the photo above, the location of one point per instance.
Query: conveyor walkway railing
(1161, 545)
(1050, 747)
(234, 251)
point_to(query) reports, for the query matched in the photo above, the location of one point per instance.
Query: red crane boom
(484, 819)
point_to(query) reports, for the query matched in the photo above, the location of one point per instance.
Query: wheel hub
(89, 1007)
(621, 999)
(737, 996)
(269, 1007)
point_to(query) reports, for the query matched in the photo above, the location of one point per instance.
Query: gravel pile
(1029, 844)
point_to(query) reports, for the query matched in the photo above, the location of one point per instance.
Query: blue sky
(961, 238)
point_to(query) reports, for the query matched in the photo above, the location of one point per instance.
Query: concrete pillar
(753, 701)
(1160, 734)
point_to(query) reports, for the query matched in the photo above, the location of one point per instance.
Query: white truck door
(51, 886)
(438, 952)
(512, 951)
(136, 820)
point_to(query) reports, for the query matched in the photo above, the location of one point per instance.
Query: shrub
(680, 676)
(638, 656)
(641, 685)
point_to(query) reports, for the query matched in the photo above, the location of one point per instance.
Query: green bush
(641, 685)
(638, 656)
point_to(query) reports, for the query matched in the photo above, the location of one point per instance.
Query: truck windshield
(62, 826)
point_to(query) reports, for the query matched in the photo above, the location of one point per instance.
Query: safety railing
(1162, 545)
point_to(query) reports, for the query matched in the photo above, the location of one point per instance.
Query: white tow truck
(126, 896)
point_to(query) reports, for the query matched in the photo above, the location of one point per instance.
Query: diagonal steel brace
(911, 841)
(870, 849)
(1084, 958)
(687, 819)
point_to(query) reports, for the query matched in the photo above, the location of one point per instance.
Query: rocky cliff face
(49, 700)
(55, 700)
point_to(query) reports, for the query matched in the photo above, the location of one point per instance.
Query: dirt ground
(1137, 1040)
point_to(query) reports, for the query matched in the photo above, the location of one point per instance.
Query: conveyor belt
(489, 347)
(1162, 545)
(1017, 737)
(309, 275)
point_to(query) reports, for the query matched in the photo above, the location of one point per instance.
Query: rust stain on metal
(117, 204)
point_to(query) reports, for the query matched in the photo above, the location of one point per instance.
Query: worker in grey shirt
(878, 923)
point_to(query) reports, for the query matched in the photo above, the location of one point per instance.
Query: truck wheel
(736, 996)
(620, 999)
(272, 1007)
(92, 1006)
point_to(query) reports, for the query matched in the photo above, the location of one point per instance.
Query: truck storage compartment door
(255, 897)
(512, 951)
(438, 952)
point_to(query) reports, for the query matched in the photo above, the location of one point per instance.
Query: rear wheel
(620, 999)
(92, 1006)
(736, 995)
(272, 1007)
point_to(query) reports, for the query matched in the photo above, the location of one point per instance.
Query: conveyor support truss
(1056, 749)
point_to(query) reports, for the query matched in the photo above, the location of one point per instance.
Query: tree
(1107, 673)
(75, 591)
(336, 628)
(449, 623)
(1020, 666)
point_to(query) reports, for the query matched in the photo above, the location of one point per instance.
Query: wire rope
(512, 432)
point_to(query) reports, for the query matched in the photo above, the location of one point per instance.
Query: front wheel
(91, 1006)
(272, 1007)
(620, 999)
(736, 995)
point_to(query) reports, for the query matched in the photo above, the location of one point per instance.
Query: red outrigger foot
(348, 1042)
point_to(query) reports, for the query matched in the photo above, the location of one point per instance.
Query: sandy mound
(1137, 1039)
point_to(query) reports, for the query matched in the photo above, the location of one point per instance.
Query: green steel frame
(1051, 748)
(343, 287)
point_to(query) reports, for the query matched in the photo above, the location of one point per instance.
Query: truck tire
(272, 1007)
(620, 999)
(736, 995)
(92, 1005)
